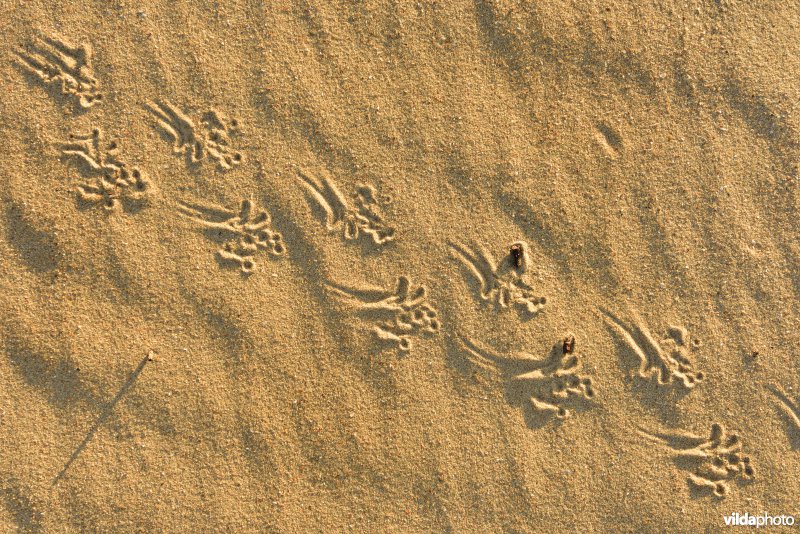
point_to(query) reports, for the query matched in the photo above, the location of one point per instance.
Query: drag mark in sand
(106, 413)
(790, 409)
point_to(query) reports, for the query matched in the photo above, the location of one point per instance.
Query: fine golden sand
(384, 266)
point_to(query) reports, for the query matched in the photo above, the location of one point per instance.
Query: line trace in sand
(788, 406)
(104, 415)
(242, 233)
(539, 386)
(502, 283)
(364, 218)
(713, 461)
(399, 314)
(55, 62)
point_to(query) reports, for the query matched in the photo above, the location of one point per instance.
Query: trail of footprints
(550, 386)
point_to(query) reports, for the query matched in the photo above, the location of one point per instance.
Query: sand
(398, 266)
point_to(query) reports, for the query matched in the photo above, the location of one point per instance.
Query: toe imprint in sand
(713, 462)
(364, 217)
(609, 139)
(504, 283)
(672, 364)
(539, 386)
(113, 180)
(241, 233)
(399, 315)
(211, 139)
(55, 62)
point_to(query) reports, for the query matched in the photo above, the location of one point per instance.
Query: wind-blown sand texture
(257, 269)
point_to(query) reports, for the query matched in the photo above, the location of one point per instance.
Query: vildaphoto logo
(764, 520)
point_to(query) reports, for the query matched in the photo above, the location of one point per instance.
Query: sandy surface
(256, 267)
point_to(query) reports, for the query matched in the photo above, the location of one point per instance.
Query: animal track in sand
(364, 217)
(502, 283)
(668, 365)
(210, 139)
(114, 180)
(538, 385)
(609, 140)
(789, 407)
(241, 233)
(55, 62)
(399, 314)
(713, 462)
